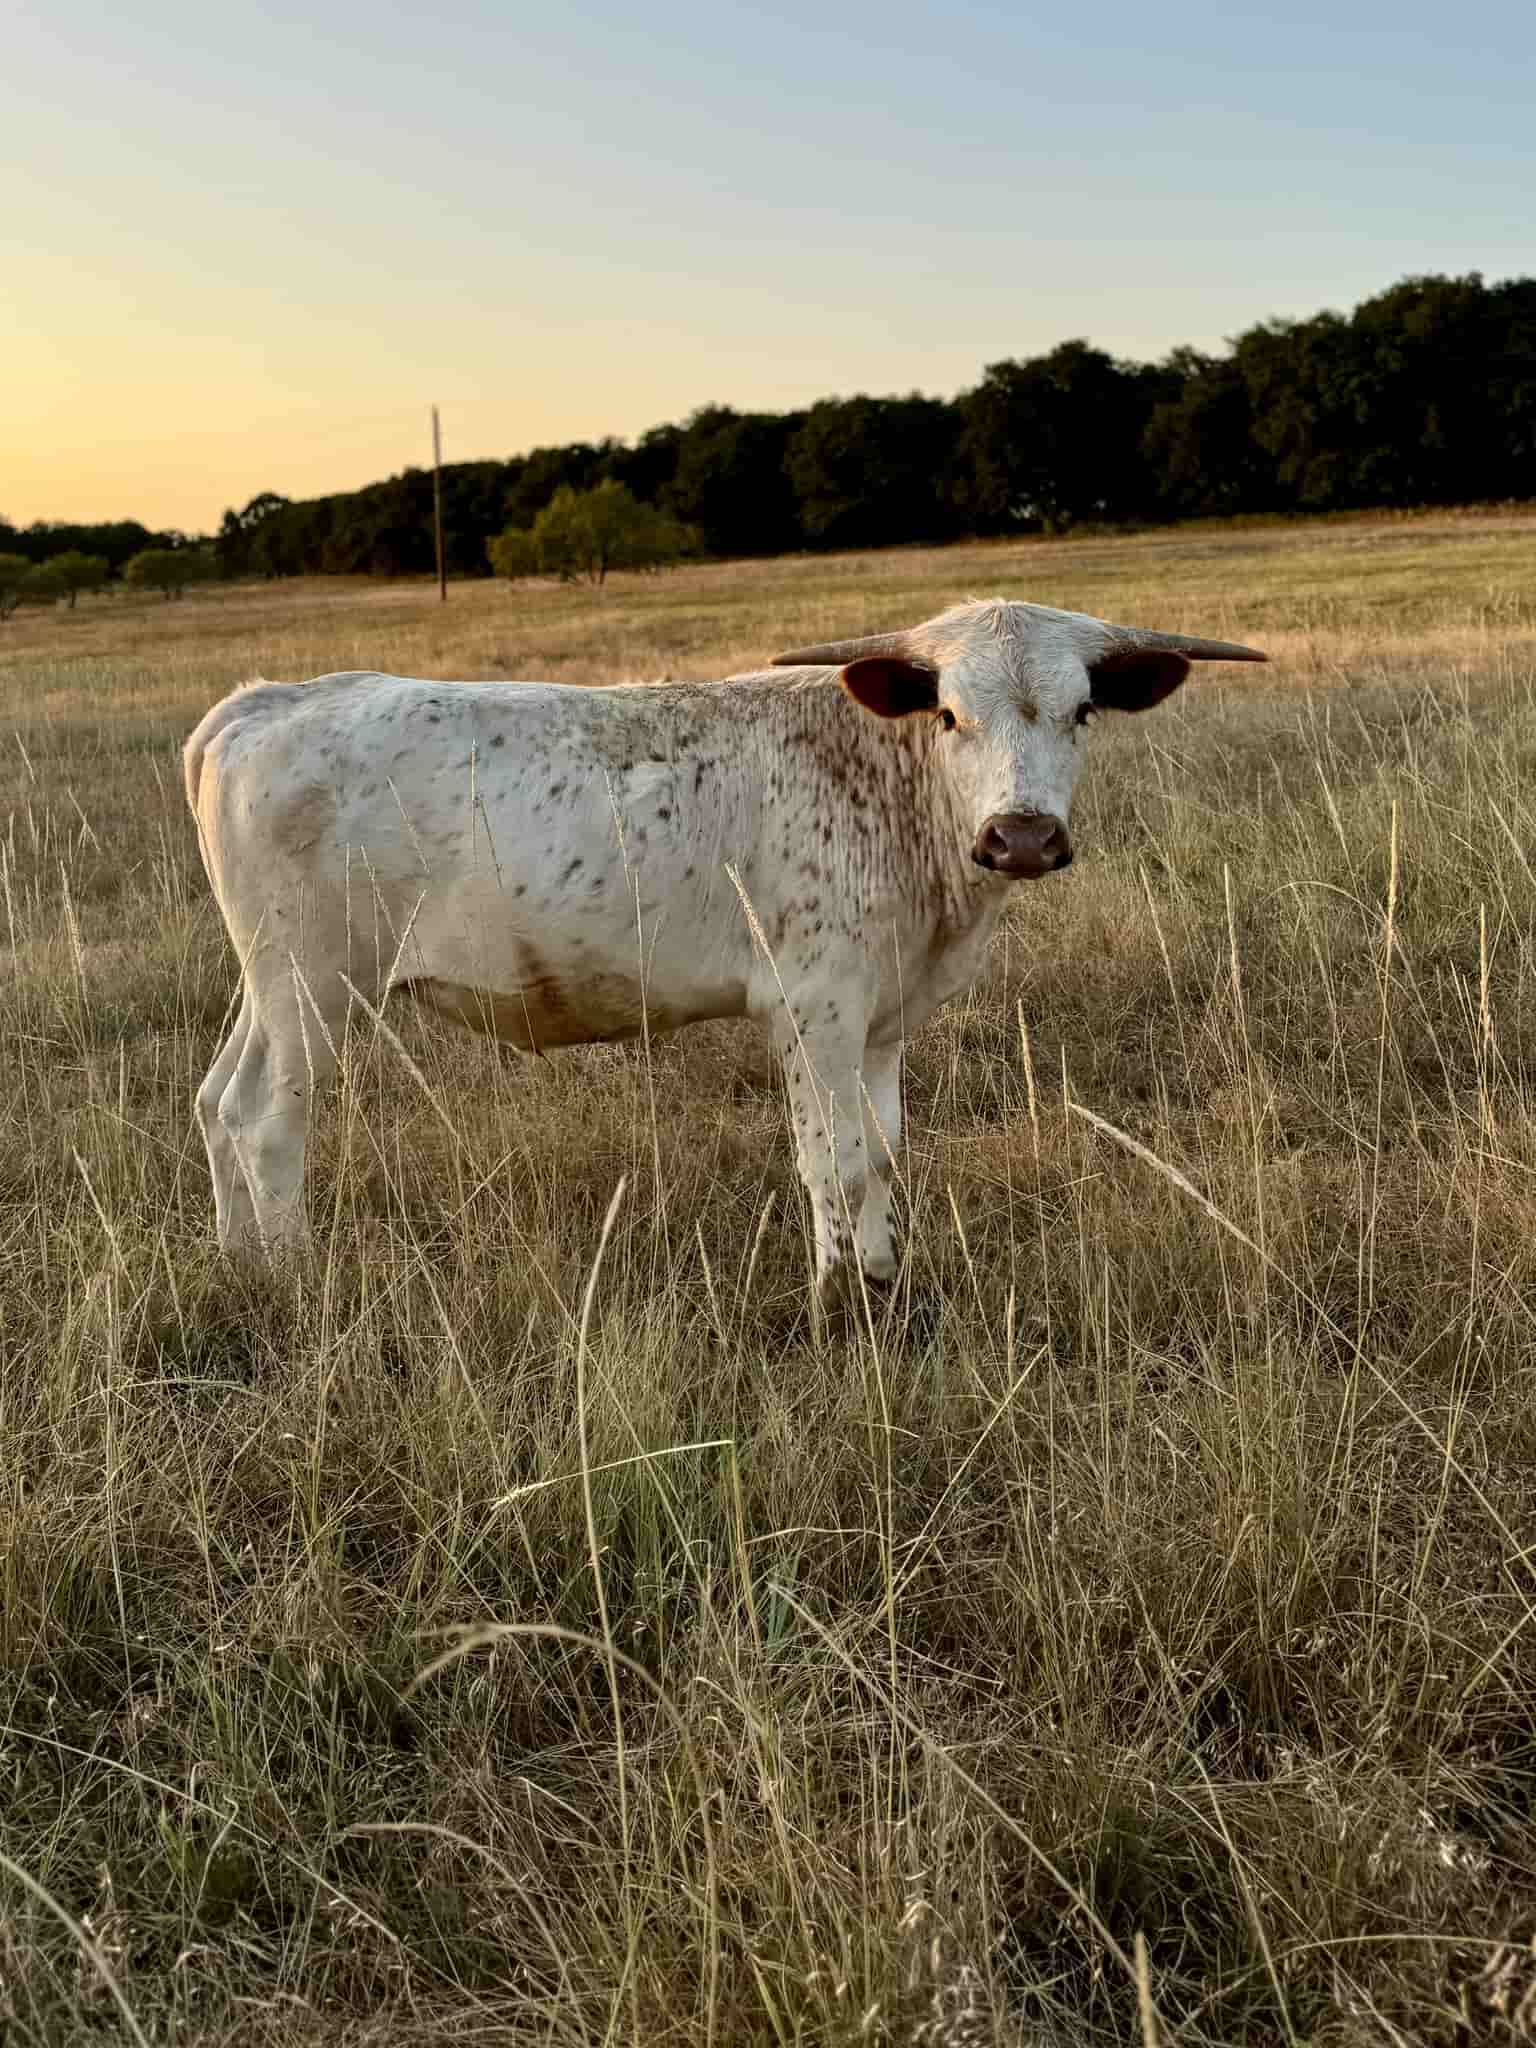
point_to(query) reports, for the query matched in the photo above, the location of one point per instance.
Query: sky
(247, 249)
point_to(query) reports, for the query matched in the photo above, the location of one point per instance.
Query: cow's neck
(962, 900)
(893, 809)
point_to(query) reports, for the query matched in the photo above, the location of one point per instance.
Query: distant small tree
(15, 570)
(561, 537)
(587, 533)
(77, 571)
(167, 569)
(156, 569)
(621, 533)
(513, 553)
(46, 584)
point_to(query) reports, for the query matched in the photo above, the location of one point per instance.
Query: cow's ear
(1135, 681)
(890, 687)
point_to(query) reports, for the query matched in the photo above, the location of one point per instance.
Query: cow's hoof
(256, 1257)
(837, 1300)
(245, 1251)
(847, 1303)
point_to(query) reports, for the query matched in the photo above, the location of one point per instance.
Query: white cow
(827, 846)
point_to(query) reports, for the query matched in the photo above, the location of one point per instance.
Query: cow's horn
(1131, 640)
(838, 653)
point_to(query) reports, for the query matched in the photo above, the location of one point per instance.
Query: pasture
(523, 1623)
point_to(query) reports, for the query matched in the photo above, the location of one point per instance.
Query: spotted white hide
(826, 846)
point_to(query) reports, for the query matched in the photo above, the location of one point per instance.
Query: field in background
(1129, 1636)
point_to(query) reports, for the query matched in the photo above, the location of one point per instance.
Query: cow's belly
(559, 952)
(545, 1007)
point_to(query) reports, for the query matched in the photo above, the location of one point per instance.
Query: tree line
(59, 561)
(66, 576)
(1424, 394)
(113, 541)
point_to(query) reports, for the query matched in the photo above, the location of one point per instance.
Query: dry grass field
(1128, 1636)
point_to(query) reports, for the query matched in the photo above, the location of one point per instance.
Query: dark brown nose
(1023, 844)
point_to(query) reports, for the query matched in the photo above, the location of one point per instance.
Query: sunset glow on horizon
(248, 251)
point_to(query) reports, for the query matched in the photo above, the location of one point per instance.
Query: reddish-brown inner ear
(1135, 682)
(891, 688)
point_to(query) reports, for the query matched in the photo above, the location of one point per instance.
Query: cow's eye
(947, 719)
(1087, 712)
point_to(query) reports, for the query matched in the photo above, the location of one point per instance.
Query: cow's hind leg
(290, 1050)
(234, 1213)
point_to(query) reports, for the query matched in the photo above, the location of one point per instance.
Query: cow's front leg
(823, 1072)
(881, 1096)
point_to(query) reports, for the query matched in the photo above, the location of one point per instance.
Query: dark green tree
(234, 542)
(1199, 448)
(730, 482)
(1057, 439)
(873, 472)
(1304, 396)
(649, 467)
(1444, 385)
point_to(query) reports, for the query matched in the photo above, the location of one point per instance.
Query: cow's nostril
(1022, 844)
(991, 848)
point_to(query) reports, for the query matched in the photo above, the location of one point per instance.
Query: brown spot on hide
(300, 821)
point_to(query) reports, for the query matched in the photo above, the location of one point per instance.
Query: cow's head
(1009, 690)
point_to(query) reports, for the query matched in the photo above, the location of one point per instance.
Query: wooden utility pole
(437, 506)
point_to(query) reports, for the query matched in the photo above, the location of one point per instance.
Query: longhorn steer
(488, 848)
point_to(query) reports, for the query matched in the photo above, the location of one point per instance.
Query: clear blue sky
(246, 249)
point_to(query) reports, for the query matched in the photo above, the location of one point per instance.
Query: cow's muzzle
(1023, 845)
